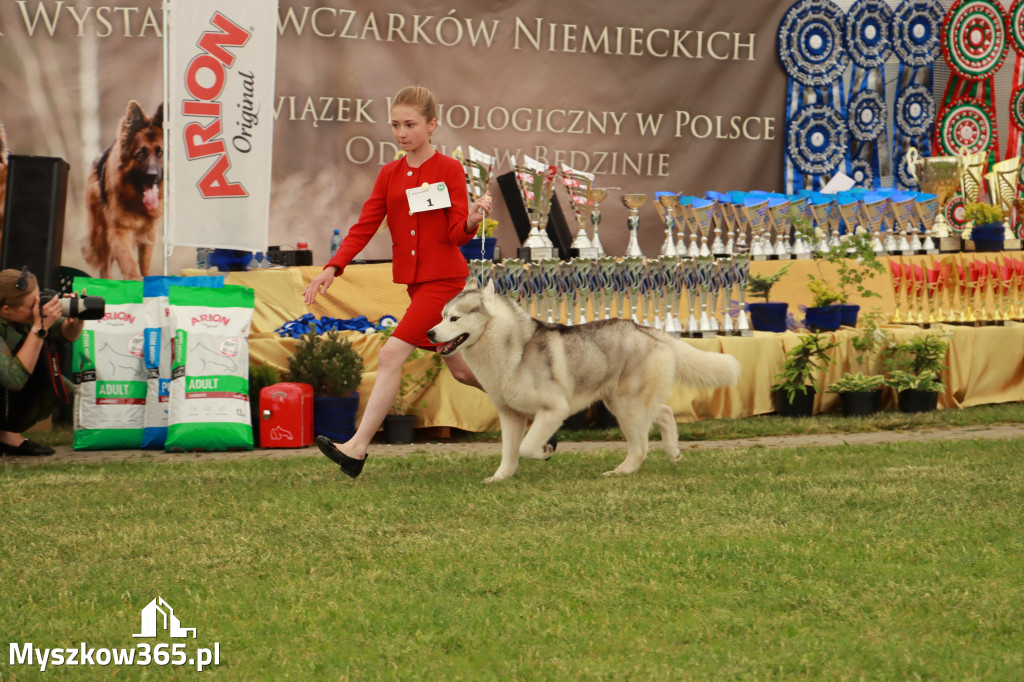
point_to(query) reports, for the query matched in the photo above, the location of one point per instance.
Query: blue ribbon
(916, 41)
(310, 323)
(811, 49)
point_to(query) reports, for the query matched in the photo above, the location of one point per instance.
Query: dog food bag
(209, 393)
(108, 368)
(157, 351)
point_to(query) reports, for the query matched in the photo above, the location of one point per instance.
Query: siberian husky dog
(545, 372)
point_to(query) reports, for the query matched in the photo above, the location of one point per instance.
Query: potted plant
(805, 363)
(988, 233)
(334, 369)
(914, 369)
(861, 394)
(767, 316)
(471, 250)
(825, 312)
(261, 375)
(855, 262)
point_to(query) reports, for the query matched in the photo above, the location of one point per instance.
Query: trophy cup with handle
(686, 239)
(741, 264)
(536, 182)
(633, 202)
(940, 176)
(578, 186)
(777, 222)
(595, 197)
(666, 203)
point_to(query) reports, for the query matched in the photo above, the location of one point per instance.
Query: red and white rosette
(966, 123)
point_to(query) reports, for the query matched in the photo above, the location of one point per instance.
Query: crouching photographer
(30, 377)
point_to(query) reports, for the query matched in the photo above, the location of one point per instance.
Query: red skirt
(427, 299)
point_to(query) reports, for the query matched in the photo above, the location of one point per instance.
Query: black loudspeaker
(37, 191)
(557, 229)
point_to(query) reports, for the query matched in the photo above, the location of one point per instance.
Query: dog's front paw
(499, 475)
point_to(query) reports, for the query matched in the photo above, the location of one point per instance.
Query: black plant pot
(802, 404)
(912, 400)
(399, 428)
(861, 403)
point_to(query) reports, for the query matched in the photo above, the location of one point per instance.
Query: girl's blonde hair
(419, 98)
(16, 286)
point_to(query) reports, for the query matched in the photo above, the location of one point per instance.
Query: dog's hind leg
(635, 423)
(513, 426)
(665, 418)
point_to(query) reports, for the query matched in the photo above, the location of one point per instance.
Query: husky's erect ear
(471, 285)
(488, 293)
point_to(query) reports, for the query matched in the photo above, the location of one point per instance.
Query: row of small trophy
(958, 289)
(649, 291)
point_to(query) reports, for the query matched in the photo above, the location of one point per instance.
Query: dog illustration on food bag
(124, 196)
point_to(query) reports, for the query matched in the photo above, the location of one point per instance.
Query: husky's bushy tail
(704, 369)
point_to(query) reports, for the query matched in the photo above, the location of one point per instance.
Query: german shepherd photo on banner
(124, 196)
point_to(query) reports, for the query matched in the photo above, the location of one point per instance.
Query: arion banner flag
(221, 57)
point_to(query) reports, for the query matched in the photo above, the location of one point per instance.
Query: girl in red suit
(425, 256)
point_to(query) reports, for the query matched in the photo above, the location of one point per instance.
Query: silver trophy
(778, 223)
(666, 203)
(741, 266)
(579, 286)
(756, 211)
(620, 286)
(553, 282)
(597, 195)
(513, 275)
(633, 202)
(691, 279)
(608, 267)
(536, 182)
(704, 214)
(636, 275)
(687, 242)
(705, 276)
(577, 184)
(672, 275)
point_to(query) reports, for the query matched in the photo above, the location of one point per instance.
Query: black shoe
(350, 465)
(26, 449)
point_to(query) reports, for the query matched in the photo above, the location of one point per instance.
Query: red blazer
(424, 246)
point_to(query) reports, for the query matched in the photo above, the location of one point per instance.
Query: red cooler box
(286, 416)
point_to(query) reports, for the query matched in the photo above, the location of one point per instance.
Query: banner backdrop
(222, 57)
(647, 95)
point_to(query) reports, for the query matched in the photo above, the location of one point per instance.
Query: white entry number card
(428, 197)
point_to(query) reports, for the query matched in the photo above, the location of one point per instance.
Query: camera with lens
(83, 307)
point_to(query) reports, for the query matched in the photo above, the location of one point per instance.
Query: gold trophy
(896, 278)
(536, 182)
(633, 202)
(972, 174)
(1002, 191)
(577, 184)
(940, 176)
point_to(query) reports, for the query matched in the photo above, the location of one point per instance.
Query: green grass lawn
(889, 563)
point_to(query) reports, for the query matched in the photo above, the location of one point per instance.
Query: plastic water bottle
(335, 242)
